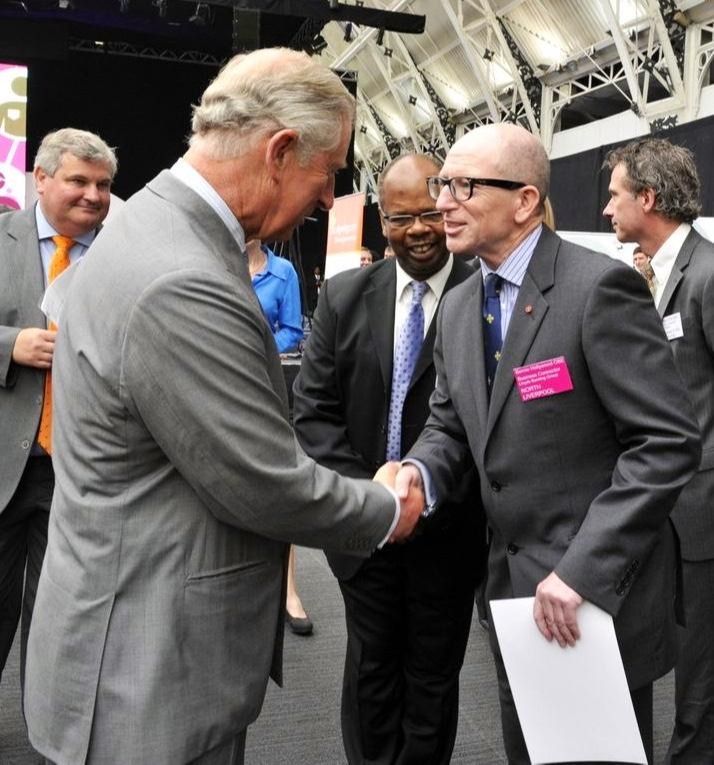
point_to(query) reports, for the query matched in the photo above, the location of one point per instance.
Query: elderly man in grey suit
(179, 479)
(569, 403)
(73, 175)
(654, 197)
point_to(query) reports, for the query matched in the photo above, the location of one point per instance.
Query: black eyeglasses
(462, 188)
(431, 218)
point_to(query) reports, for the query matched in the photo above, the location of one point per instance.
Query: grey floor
(299, 724)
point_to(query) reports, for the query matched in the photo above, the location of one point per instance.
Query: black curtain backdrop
(579, 186)
(140, 106)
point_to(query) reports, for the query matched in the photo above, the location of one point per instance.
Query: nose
(607, 212)
(445, 200)
(92, 193)
(418, 227)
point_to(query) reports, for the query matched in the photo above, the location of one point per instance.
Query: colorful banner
(344, 234)
(13, 134)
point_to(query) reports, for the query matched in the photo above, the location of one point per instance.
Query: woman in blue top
(275, 282)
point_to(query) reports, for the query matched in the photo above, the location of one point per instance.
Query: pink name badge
(544, 378)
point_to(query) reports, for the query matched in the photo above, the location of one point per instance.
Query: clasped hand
(406, 482)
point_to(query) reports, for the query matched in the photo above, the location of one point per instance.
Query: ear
(384, 226)
(528, 199)
(649, 198)
(281, 147)
(39, 175)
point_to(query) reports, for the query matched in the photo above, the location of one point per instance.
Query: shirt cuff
(397, 513)
(429, 491)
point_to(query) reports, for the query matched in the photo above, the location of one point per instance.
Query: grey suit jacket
(580, 483)
(689, 292)
(21, 387)
(179, 479)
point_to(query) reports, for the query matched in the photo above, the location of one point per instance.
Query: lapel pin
(528, 309)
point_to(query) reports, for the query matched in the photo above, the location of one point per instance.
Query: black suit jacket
(689, 292)
(342, 393)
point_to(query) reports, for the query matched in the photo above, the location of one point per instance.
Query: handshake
(406, 481)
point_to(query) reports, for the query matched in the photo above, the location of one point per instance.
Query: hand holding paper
(411, 499)
(554, 610)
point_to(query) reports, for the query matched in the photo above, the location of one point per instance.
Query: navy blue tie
(406, 353)
(492, 340)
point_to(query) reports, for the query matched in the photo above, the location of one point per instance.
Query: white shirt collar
(190, 177)
(45, 230)
(436, 281)
(663, 260)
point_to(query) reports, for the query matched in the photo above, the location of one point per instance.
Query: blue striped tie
(406, 354)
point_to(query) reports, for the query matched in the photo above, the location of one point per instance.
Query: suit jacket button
(511, 549)
(25, 444)
(495, 486)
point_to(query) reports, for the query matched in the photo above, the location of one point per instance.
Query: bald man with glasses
(360, 398)
(569, 404)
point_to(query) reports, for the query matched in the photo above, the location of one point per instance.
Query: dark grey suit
(158, 613)
(689, 292)
(580, 483)
(408, 607)
(26, 482)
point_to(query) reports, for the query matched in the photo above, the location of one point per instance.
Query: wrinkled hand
(410, 493)
(34, 347)
(555, 609)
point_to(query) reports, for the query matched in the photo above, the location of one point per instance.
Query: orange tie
(60, 261)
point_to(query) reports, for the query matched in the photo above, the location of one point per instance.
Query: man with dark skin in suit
(408, 608)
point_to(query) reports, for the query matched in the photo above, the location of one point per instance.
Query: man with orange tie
(73, 174)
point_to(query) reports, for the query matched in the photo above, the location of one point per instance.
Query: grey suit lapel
(25, 266)
(380, 299)
(528, 314)
(677, 273)
(473, 349)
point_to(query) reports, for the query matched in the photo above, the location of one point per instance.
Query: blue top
(279, 295)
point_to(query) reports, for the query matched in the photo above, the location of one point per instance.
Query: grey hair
(268, 90)
(669, 170)
(81, 143)
(395, 160)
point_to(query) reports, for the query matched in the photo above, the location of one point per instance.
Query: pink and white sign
(544, 378)
(13, 134)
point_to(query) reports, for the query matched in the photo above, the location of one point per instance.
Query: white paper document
(54, 297)
(573, 703)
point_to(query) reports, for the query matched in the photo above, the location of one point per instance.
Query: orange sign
(344, 234)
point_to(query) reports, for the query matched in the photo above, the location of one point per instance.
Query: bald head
(507, 151)
(498, 181)
(409, 169)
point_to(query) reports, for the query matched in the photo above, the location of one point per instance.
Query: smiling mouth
(421, 249)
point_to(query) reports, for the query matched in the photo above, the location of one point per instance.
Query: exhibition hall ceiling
(547, 64)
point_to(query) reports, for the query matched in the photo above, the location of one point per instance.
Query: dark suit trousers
(408, 612)
(515, 744)
(23, 539)
(693, 738)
